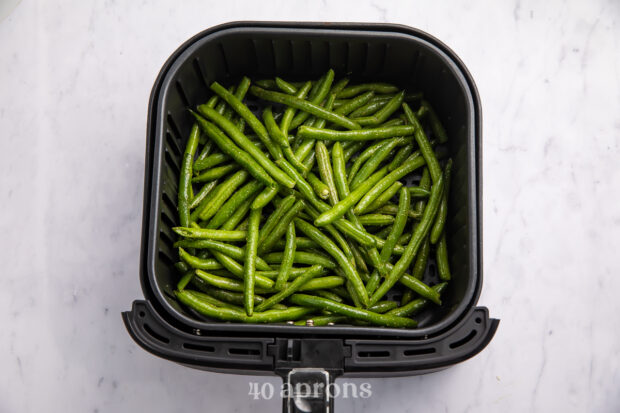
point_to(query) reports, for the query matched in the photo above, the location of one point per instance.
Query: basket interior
(409, 62)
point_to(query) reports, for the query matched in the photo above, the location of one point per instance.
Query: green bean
(407, 297)
(307, 132)
(436, 126)
(385, 197)
(425, 147)
(420, 232)
(441, 251)
(221, 194)
(322, 283)
(411, 164)
(309, 163)
(240, 91)
(287, 257)
(340, 171)
(404, 202)
(425, 184)
(185, 279)
(338, 210)
(360, 263)
(351, 150)
(364, 156)
(238, 215)
(230, 206)
(376, 219)
(402, 154)
(181, 267)
(442, 214)
(229, 297)
(185, 186)
(331, 248)
(415, 306)
(355, 103)
(294, 273)
(375, 160)
(237, 270)
(249, 266)
(373, 283)
(305, 106)
(215, 173)
(231, 250)
(265, 197)
(204, 153)
(304, 148)
(353, 312)
(285, 123)
(249, 117)
(383, 307)
(222, 282)
(329, 295)
(272, 128)
(272, 84)
(384, 113)
(318, 186)
(246, 144)
(418, 192)
(215, 234)
(322, 320)
(316, 98)
(375, 87)
(419, 266)
(227, 146)
(336, 236)
(275, 217)
(290, 288)
(228, 314)
(301, 257)
(212, 300)
(325, 170)
(339, 85)
(353, 295)
(368, 109)
(278, 231)
(221, 106)
(302, 243)
(202, 194)
(210, 161)
(285, 86)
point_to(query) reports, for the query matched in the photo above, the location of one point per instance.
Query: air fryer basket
(378, 52)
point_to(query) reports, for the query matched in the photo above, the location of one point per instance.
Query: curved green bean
(331, 248)
(353, 312)
(287, 257)
(307, 132)
(246, 144)
(305, 106)
(185, 186)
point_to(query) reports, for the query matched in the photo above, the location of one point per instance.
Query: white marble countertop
(74, 84)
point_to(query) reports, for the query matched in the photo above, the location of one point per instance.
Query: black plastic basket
(379, 52)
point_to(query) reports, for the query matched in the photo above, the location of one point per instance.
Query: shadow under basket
(409, 58)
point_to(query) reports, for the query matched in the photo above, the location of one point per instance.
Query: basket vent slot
(419, 351)
(199, 74)
(182, 93)
(199, 347)
(374, 353)
(171, 163)
(464, 340)
(244, 351)
(155, 334)
(173, 144)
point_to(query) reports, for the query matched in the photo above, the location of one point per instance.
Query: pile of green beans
(301, 213)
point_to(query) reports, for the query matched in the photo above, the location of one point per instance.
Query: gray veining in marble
(74, 83)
